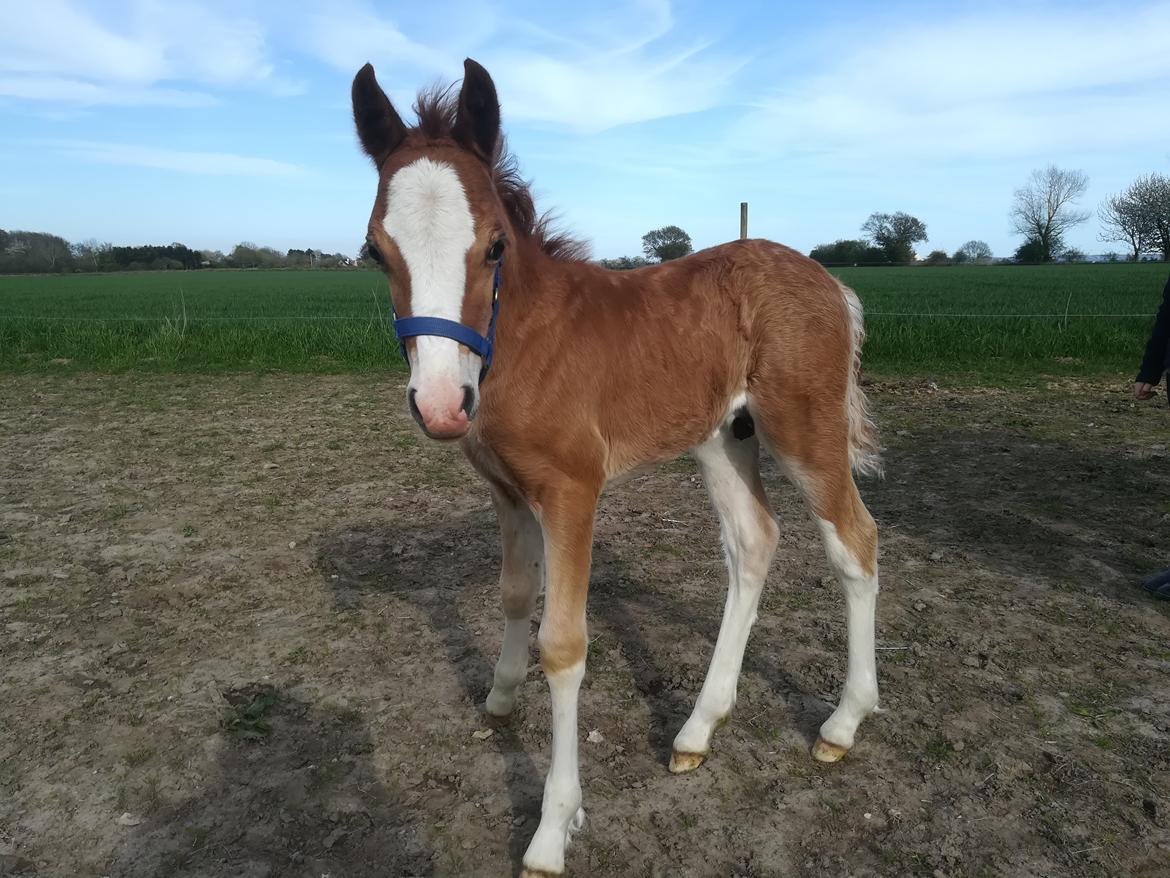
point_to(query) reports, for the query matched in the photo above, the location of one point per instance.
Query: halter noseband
(409, 327)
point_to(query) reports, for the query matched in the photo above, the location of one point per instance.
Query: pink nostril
(440, 414)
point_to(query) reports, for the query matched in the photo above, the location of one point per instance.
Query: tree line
(890, 239)
(43, 253)
(1043, 211)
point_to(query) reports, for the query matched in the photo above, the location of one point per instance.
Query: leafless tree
(1151, 194)
(88, 253)
(1043, 210)
(1122, 221)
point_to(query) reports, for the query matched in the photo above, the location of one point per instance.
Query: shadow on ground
(428, 565)
(295, 795)
(1030, 508)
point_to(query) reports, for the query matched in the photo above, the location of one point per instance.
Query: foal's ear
(477, 118)
(379, 126)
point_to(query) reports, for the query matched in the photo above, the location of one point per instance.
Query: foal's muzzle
(444, 415)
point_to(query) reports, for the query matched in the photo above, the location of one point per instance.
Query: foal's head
(438, 229)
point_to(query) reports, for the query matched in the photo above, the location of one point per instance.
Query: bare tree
(1122, 220)
(1043, 210)
(88, 253)
(1151, 194)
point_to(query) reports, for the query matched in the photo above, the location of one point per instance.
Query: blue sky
(212, 123)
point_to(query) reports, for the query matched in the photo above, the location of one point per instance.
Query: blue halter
(409, 327)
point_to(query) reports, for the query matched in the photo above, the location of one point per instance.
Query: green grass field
(1079, 319)
(319, 321)
(1082, 319)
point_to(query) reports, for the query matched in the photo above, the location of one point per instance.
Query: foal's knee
(561, 648)
(520, 587)
(518, 603)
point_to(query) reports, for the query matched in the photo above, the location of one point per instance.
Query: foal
(587, 374)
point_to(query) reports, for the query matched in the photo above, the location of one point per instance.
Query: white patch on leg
(560, 813)
(430, 221)
(859, 697)
(511, 669)
(729, 468)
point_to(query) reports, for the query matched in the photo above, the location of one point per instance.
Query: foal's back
(644, 364)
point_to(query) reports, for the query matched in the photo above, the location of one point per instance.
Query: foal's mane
(436, 108)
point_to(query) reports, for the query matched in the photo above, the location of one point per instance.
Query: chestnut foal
(593, 373)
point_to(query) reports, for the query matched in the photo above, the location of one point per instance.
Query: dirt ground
(247, 624)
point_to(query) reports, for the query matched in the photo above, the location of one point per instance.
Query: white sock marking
(860, 694)
(560, 813)
(730, 470)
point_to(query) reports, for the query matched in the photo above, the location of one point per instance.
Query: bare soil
(247, 624)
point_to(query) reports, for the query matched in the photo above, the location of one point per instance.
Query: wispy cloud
(76, 91)
(624, 65)
(604, 67)
(349, 37)
(183, 161)
(1002, 84)
(592, 93)
(57, 50)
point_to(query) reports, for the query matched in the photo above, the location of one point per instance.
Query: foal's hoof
(681, 763)
(499, 707)
(823, 751)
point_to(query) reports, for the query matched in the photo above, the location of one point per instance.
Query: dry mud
(247, 624)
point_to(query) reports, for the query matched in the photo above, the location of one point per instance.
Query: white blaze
(429, 218)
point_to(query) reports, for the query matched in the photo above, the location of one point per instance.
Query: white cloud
(595, 92)
(619, 67)
(1003, 84)
(596, 69)
(75, 91)
(60, 50)
(348, 38)
(55, 38)
(136, 155)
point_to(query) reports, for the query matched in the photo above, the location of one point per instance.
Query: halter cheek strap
(409, 327)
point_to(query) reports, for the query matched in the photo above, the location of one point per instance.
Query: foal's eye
(372, 252)
(496, 251)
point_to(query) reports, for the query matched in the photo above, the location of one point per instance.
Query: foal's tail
(864, 450)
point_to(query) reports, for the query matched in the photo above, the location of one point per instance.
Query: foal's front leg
(567, 522)
(521, 571)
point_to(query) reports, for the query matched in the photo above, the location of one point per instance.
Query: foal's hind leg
(521, 571)
(731, 471)
(808, 435)
(851, 544)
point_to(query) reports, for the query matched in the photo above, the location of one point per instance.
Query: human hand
(1142, 390)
